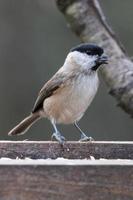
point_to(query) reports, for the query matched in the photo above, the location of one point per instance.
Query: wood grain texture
(65, 179)
(70, 150)
(91, 182)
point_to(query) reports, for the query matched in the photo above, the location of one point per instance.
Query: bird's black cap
(90, 49)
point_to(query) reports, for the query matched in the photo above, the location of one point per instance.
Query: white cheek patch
(84, 60)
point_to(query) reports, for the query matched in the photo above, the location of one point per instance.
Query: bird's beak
(102, 60)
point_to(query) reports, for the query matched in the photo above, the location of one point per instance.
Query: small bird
(67, 95)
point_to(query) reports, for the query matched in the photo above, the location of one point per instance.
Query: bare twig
(87, 20)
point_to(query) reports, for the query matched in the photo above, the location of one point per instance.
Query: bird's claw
(85, 138)
(61, 139)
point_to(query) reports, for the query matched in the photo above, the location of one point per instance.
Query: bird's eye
(88, 52)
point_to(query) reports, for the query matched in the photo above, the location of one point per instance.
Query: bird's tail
(24, 125)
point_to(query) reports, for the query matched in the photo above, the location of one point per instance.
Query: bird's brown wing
(48, 89)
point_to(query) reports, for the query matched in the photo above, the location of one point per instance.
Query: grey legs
(84, 137)
(57, 135)
(61, 139)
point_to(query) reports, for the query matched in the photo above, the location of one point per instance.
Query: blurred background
(34, 41)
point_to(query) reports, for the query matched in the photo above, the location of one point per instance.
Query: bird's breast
(70, 102)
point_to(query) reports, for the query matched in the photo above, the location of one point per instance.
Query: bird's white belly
(70, 103)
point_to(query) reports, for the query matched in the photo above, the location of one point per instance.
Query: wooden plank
(70, 150)
(97, 180)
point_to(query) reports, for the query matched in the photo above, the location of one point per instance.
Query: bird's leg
(84, 137)
(57, 135)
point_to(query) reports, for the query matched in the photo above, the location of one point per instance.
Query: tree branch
(87, 20)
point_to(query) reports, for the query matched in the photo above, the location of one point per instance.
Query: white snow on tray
(63, 161)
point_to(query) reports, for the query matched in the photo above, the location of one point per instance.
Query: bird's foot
(85, 138)
(57, 135)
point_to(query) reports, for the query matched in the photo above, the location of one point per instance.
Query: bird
(67, 95)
